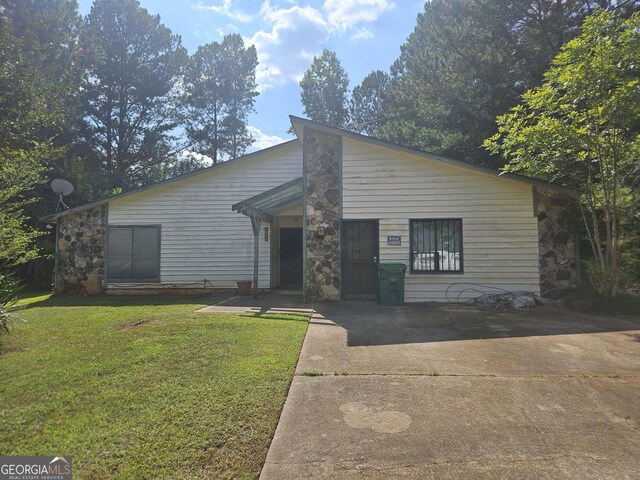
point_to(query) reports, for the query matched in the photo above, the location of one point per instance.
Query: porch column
(322, 206)
(255, 224)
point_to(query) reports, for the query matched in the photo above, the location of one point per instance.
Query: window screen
(436, 245)
(133, 253)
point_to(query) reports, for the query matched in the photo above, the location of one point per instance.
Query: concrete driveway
(447, 391)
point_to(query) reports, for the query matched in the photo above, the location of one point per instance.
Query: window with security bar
(436, 245)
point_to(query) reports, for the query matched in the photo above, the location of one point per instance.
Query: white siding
(202, 238)
(500, 239)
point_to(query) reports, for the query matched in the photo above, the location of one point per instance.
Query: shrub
(10, 289)
(589, 301)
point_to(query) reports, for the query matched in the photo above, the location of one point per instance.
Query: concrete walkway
(442, 391)
(265, 303)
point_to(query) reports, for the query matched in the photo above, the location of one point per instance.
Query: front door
(359, 259)
(291, 257)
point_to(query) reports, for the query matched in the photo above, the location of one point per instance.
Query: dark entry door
(359, 259)
(291, 257)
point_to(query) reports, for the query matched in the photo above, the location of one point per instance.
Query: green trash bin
(391, 282)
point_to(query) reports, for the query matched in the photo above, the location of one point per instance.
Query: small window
(436, 245)
(133, 254)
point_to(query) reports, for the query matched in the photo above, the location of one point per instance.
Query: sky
(365, 34)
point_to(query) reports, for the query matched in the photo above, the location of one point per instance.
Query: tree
(367, 107)
(324, 90)
(468, 61)
(20, 171)
(581, 127)
(241, 81)
(38, 68)
(38, 79)
(221, 88)
(133, 97)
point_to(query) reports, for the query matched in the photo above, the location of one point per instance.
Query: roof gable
(299, 125)
(196, 173)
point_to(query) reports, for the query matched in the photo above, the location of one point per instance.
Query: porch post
(255, 223)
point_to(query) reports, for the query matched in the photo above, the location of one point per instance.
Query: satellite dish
(61, 188)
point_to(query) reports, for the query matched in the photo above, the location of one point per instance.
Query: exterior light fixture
(266, 234)
(321, 230)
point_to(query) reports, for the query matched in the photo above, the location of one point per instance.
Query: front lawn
(145, 387)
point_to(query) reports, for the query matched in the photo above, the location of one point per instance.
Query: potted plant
(244, 287)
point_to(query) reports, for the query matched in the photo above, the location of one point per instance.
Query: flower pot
(244, 287)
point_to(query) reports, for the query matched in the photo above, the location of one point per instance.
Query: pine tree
(221, 89)
(324, 91)
(133, 99)
(468, 61)
(368, 104)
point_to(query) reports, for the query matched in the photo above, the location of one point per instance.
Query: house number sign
(394, 240)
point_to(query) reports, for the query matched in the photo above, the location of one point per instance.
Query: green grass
(145, 387)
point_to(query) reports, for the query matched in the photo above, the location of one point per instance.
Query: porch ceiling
(265, 204)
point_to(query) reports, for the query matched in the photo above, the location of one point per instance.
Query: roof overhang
(264, 205)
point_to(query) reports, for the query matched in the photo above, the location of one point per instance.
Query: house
(318, 213)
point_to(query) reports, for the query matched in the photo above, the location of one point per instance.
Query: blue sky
(365, 34)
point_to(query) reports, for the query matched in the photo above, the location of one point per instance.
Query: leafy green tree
(221, 87)
(20, 171)
(581, 127)
(468, 61)
(133, 97)
(38, 81)
(367, 107)
(324, 90)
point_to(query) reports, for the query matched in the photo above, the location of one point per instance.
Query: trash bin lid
(392, 267)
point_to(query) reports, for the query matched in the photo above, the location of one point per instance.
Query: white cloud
(227, 9)
(345, 14)
(189, 154)
(262, 139)
(284, 53)
(298, 33)
(362, 34)
(227, 28)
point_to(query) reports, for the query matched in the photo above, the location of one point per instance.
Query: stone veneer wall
(81, 249)
(556, 244)
(322, 207)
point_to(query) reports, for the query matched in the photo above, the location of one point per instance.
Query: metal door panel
(360, 253)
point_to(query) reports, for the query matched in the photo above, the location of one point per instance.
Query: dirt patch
(131, 326)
